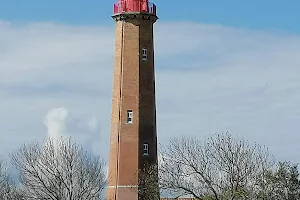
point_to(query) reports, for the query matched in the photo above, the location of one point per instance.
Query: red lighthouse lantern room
(132, 6)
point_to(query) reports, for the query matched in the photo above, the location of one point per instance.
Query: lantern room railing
(124, 6)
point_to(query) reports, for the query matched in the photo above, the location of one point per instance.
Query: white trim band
(122, 186)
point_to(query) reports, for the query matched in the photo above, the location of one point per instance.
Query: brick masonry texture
(133, 89)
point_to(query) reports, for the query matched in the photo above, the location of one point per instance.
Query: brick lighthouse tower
(133, 140)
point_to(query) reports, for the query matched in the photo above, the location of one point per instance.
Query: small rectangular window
(144, 54)
(146, 149)
(129, 116)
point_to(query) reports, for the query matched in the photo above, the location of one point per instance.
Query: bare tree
(283, 183)
(148, 182)
(58, 170)
(8, 189)
(218, 168)
(3, 179)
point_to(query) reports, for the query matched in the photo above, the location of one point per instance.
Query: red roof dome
(123, 6)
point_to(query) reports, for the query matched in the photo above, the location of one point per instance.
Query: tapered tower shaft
(133, 139)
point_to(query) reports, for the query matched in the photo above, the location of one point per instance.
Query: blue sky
(255, 14)
(237, 71)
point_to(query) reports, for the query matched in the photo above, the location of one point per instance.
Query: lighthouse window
(129, 116)
(146, 149)
(144, 54)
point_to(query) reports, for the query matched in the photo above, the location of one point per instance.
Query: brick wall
(133, 89)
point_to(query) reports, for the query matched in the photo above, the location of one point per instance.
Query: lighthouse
(133, 137)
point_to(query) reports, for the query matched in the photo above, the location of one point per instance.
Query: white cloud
(55, 122)
(82, 129)
(210, 78)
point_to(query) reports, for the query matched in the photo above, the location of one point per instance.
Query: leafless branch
(219, 167)
(59, 169)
